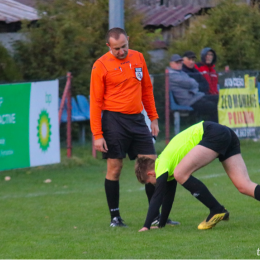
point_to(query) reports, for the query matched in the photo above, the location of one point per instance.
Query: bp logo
(44, 130)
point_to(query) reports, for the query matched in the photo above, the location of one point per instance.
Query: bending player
(187, 152)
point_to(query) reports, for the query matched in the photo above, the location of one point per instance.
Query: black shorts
(126, 134)
(220, 139)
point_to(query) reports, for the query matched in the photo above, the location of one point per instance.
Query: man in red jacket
(207, 68)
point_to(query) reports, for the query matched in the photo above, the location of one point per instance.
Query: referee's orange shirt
(120, 86)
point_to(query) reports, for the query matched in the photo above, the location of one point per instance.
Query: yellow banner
(239, 107)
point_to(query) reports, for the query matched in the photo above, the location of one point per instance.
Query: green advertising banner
(14, 125)
(29, 130)
(238, 106)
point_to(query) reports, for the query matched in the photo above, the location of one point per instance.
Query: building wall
(7, 40)
(158, 55)
(172, 33)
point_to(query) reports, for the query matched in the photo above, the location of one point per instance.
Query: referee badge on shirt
(139, 73)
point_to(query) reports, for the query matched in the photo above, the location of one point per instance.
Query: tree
(70, 36)
(232, 30)
(9, 71)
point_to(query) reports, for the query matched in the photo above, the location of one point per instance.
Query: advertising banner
(29, 128)
(238, 106)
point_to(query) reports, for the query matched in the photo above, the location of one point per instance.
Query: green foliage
(9, 71)
(69, 37)
(232, 30)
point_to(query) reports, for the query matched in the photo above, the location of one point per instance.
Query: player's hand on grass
(143, 229)
(101, 145)
(155, 127)
(154, 227)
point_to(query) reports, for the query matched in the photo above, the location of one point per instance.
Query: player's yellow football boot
(213, 220)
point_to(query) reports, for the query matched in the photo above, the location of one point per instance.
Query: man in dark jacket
(207, 68)
(188, 66)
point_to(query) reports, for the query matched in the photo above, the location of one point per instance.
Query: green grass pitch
(69, 217)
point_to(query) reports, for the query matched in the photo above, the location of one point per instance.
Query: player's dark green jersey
(178, 147)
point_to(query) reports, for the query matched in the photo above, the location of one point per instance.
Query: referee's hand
(155, 127)
(101, 145)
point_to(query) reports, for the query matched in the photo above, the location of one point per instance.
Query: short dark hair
(115, 33)
(142, 166)
(189, 54)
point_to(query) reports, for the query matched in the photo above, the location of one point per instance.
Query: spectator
(206, 68)
(188, 66)
(186, 90)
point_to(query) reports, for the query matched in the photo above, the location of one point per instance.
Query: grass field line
(223, 174)
(212, 176)
(37, 194)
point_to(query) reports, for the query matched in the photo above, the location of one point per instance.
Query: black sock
(201, 192)
(257, 192)
(149, 189)
(112, 193)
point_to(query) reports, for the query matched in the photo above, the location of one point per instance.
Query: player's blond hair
(142, 166)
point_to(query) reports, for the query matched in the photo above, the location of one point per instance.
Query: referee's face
(119, 47)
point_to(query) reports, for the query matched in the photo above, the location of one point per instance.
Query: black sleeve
(167, 201)
(203, 84)
(157, 199)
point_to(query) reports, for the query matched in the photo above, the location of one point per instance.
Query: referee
(120, 86)
(187, 152)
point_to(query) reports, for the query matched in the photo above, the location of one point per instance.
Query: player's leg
(235, 167)
(113, 132)
(215, 142)
(198, 157)
(237, 172)
(114, 167)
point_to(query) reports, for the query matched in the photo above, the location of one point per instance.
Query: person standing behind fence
(207, 68)
(120, 83)
(186, 91)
